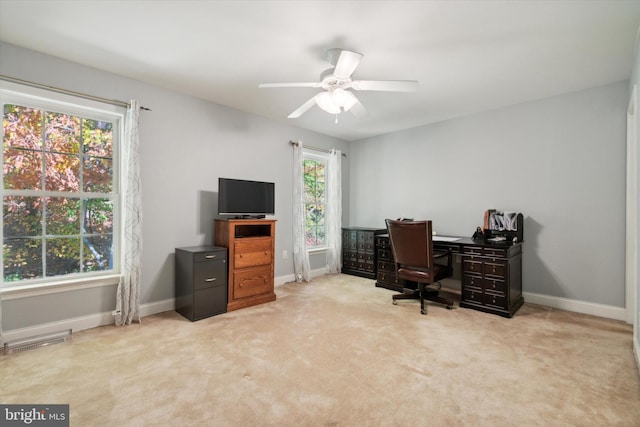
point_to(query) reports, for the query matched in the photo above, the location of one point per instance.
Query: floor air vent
(31, 343)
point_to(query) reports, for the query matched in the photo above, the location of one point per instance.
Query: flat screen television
(243, 198)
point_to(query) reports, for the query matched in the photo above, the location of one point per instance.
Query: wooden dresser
(359, 251)
(251, 246)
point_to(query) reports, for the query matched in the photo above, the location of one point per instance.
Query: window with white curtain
(59, 187)
(315, 198)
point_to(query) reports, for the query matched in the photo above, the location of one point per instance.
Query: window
(315, 201)
(59, 189)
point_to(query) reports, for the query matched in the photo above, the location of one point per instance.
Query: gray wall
(185, 145)
(559, 161)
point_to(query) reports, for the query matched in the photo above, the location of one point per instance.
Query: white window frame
(324, 158)
(12, 93)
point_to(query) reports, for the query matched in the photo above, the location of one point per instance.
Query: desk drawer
(495, 300)
(472, 296)
(471, 265)
(494, 252)
(496, 269)
(495, 285)
(472, 281)
(386, 266)
(385, 254)
(472, 250)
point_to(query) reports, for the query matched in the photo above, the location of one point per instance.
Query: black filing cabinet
(201, 281)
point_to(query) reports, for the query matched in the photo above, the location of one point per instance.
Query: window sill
(26, 291)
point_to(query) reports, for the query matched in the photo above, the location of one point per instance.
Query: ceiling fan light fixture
(326, 102)
(344, 99)
(336, 101)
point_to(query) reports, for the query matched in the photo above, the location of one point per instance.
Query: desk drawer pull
(210, 256)
(212, 279)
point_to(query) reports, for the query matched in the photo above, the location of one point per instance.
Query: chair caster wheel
(394, 302)
(449, 307)
(423, 311)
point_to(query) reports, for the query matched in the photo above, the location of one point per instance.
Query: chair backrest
(411, 242)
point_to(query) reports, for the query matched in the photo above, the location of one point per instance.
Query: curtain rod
(314, 148)
(69, 92)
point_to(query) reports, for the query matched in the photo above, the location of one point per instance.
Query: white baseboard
(281, 280)
(601, 310)
(82, 322)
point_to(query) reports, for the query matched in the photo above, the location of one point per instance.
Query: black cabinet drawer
(209, 256)
(207, 274)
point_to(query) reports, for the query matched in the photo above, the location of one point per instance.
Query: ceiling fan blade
(347, 63)
(303, 84)
(303, 108)
(358, 109)
(386, 85)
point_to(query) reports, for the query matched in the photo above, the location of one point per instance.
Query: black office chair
(412, 246)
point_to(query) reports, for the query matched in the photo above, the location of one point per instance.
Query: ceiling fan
(336, 83)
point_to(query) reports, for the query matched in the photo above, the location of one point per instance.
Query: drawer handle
(210, 256)
(212, 279)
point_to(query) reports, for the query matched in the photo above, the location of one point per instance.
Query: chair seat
(422, 275)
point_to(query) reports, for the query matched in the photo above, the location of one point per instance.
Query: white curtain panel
(301, 266)
(127, 299)
(333, 216)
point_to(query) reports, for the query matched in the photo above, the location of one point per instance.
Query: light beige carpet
(336, 352)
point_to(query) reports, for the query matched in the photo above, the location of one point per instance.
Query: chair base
(428, 294)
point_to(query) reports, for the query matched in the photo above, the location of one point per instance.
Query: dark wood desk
(491, 273)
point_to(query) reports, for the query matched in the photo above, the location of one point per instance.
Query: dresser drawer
(252, 281)
(210, 273)
(252, 252)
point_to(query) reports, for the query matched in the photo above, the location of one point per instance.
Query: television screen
(245, 198)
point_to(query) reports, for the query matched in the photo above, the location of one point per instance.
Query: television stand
(251, 246)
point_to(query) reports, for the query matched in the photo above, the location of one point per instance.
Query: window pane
(62, 133)
(63, 255)
(63, 216)
(22, 127)
(97, 175)
(98, 252)
(21, 216)
(22, 259)
(97, 138)
(62, 172)
(98, 217)
(22, 169)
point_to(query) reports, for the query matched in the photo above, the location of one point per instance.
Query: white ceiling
(468, 56)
